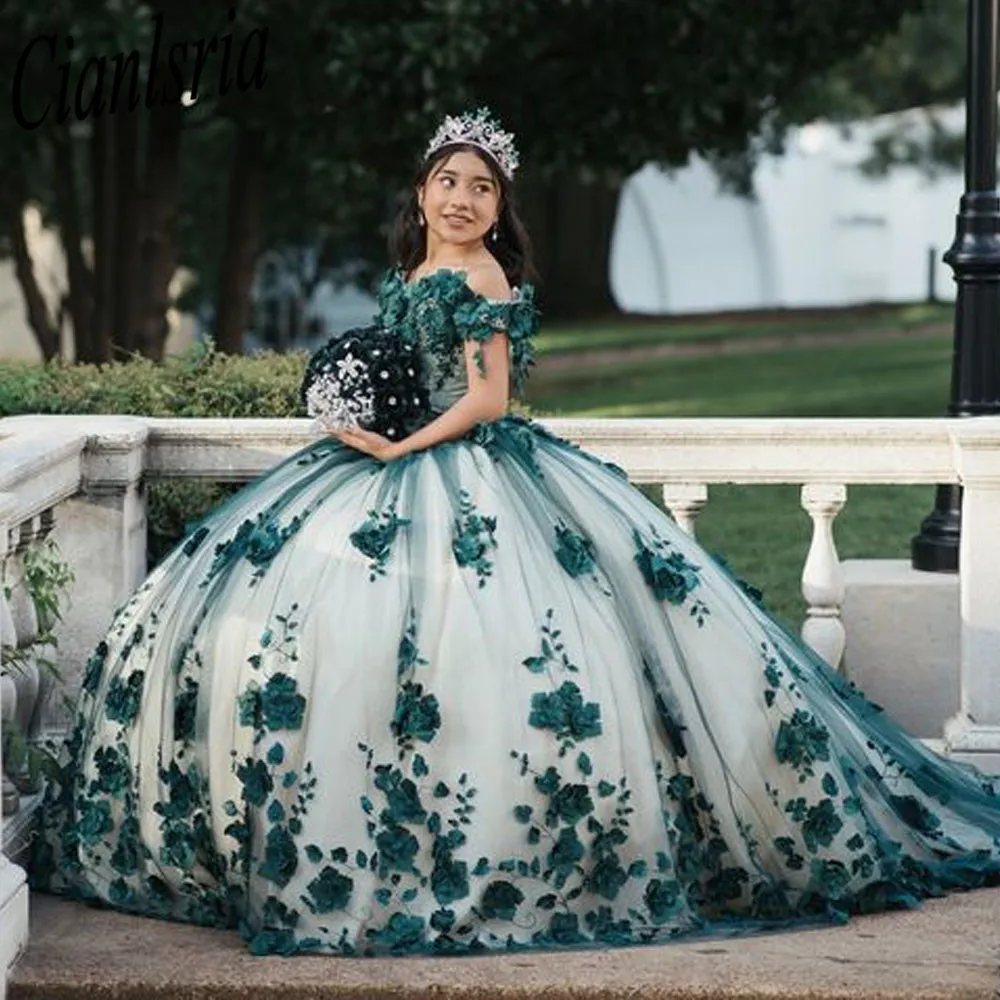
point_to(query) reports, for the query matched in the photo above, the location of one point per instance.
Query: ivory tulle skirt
(487, 696)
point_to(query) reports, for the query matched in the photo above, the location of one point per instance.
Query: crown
(478, 129)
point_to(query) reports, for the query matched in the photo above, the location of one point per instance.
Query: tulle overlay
(485, 696)
(488, 696)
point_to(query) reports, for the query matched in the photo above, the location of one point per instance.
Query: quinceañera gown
(487, 696)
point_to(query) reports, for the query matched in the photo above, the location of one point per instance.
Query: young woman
(471, 690)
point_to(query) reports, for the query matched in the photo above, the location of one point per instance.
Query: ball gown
(486, 696)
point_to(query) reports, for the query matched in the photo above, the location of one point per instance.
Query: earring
(421, 221)
(494, 236)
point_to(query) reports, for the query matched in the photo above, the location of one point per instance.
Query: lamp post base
(935, 549)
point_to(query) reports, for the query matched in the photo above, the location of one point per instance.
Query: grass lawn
(643, 331)
(762, 530)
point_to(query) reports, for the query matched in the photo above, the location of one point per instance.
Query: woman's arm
(485, 400)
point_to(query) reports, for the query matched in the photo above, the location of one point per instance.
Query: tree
(326, 131)
(921, 67)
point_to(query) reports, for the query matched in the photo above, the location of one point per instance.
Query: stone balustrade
(81, 481)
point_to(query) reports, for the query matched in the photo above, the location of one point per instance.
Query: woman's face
(460, 199)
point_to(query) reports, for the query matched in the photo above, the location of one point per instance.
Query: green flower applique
(417, 716)
(668, 574)
(801, 741)
(408, 657)
(553, 651)
(258, 541)
(124, 698)
(574, 552)
(375, 537)
(95, 668)
(474, 537)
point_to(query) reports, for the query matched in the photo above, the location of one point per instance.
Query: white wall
(818, 233)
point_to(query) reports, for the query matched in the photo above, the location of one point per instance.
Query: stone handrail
(83, 479)
(715, 450)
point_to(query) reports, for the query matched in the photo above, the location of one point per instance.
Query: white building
(819, 233)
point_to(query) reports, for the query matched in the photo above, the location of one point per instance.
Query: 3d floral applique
(375, 538)
(668, 574)
(473, 537)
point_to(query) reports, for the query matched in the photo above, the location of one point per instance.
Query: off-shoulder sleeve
(479, 318)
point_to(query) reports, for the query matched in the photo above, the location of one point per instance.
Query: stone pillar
(13, 881)
(101, 532)
(973, 734)
(822, 575)
(685, 501)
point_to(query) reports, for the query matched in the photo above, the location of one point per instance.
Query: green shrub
(199, 383)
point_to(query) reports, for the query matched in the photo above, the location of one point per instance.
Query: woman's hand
(369, 442)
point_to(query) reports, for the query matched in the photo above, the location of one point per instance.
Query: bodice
(439, 312)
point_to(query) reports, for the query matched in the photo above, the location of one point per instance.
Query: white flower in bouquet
(337, 403)
(351, 369)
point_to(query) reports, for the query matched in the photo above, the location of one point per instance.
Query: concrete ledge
(903, 641)
(947, 950)
(13, 916)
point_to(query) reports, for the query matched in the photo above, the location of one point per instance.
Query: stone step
(947, 950)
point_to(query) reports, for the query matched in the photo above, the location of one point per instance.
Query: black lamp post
(975, 259)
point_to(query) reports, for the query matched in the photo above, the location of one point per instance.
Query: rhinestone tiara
(479, 129)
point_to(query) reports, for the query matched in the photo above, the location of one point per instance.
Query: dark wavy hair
(511, 248)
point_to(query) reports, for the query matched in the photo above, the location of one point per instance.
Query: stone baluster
(25, 673)
(973, 734)
(33, 684)
(13, 882)
(102, 534)
(822, 575)
(685, 501)
(10, 798)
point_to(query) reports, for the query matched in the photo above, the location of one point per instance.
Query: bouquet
(366, 378)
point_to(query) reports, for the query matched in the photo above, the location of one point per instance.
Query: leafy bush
(200, 383)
